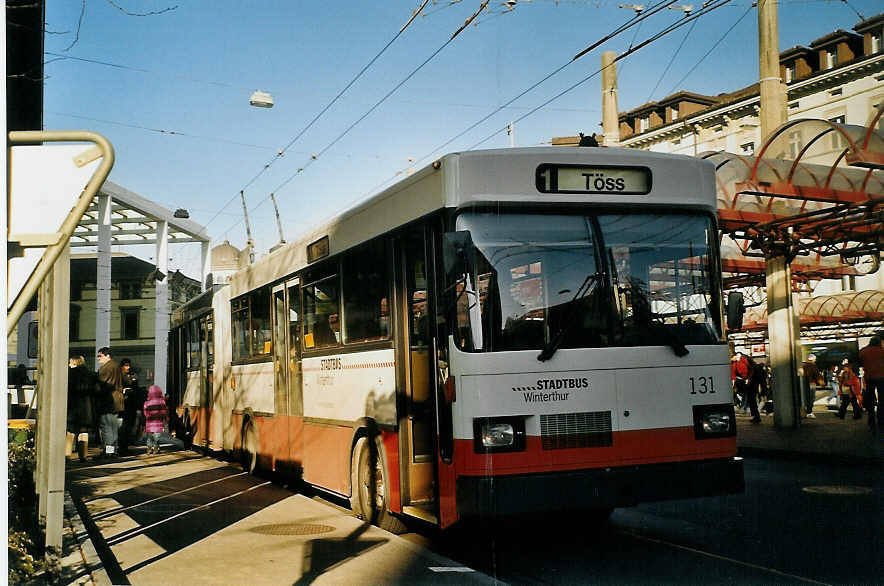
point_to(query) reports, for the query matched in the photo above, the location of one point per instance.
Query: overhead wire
(323, 111)
(711, 49)
(314, 157)
(705, 10)
(671, 61)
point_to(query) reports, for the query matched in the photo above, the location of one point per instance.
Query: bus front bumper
(598, 488)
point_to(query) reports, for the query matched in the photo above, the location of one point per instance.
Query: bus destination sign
(601, 179)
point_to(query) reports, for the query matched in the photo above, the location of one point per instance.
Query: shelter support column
(103, 273)
(782, 331)
(54, 314)
(161, 330)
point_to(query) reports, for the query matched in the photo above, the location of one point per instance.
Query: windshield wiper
(589, 283)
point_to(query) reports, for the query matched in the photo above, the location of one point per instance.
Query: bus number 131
(702, 385)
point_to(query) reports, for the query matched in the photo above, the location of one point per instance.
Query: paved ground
(183, 518)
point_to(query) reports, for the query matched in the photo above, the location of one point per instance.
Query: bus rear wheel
(370, 486)
(248, 452)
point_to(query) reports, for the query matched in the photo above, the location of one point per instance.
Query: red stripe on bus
(629, 448)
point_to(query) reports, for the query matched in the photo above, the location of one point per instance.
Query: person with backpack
(743, 374)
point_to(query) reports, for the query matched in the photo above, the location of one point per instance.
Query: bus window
(250, 321)
(365, 292)
(321, 324)
(259, 305)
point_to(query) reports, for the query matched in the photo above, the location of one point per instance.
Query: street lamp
(261, 99)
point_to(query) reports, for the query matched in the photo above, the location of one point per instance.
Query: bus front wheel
(370, 487)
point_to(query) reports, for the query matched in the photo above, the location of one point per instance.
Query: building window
(876, 42)
(831, 58)
(74, 319)
(793, 105)
(129, 318)
(795, 144)
(130, 289)
(674, 112)
(838, 141)
(791, 72)
(747, 148)
(643, 124)
(836, 92)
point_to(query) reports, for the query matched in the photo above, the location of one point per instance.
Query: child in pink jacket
(155, 416)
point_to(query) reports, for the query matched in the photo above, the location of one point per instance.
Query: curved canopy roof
(814, 191)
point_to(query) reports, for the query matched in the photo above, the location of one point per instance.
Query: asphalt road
(797, 522)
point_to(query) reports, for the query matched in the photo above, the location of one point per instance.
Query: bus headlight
(498, 434)
(712, 421)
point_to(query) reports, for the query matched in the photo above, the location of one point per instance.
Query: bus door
(286, 367)
(207, 335)
(418, 445)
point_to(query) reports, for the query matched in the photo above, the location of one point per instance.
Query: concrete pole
(610, 123)
(103, 290)
(161, 330)
(783, 333)
(53, 353)
(205, 264)
(773, 91)
(781, 330)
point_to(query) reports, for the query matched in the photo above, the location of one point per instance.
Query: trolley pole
(783, 326)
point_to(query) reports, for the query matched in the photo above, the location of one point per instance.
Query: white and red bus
(502, 332)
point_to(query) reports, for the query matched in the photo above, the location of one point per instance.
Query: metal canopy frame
(816, 190)
(134, 220)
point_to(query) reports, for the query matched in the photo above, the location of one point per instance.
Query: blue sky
(188, 67)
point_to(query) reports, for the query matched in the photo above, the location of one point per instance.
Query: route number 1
(702, 385)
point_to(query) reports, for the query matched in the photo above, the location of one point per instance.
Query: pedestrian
(110, 379)
(745, 382)
(849, 389)
(871, 358)
(131, 406)
(810, 382)
(82, 387)
(156, 418)
(833, 385)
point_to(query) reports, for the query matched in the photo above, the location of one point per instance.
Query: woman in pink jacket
(155, 416)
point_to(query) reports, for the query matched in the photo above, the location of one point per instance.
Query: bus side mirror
(735, 310)
(457, 252)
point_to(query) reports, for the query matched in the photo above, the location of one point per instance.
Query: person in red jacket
(850, 389)
(155, 418)
(742, 375)
(871, 358)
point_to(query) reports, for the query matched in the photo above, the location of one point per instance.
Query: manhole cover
(292, 529)
(838, 490)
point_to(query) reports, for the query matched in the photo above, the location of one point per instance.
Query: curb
(94, 570)
(800, 456)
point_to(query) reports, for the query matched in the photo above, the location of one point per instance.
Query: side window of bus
(239, 318)
(250, 320)
(366, 286)
(259, 306)
(321, 325)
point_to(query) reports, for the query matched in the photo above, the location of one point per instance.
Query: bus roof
(497, 176)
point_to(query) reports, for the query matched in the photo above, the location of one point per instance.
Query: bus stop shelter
(808, 205)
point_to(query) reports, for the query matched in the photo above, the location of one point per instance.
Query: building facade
(133, 308)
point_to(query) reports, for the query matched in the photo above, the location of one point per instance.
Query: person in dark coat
(82, 387)
(132, 405)
(110, 380)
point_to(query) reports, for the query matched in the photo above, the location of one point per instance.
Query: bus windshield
(549, 281)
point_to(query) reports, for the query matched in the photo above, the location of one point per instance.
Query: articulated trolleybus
(503, 332)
